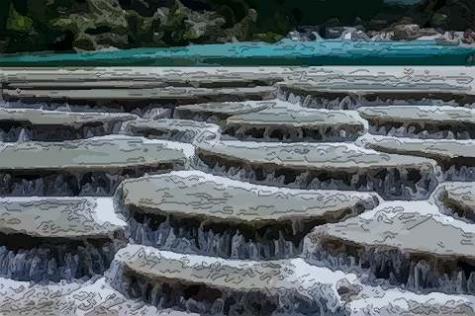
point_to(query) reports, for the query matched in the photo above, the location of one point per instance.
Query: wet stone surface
(180, 211)
(167, 279)
(457, 199)
(94, 166)
(409, 244)
(237, 191)
(321, 166)
(442, 122)
(292, 124)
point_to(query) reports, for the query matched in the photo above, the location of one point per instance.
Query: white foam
(202, 176)
(375, 299)
(105, 212)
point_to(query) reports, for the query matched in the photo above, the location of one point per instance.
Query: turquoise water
(329, 52)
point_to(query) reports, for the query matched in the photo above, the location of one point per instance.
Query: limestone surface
(197, 194)
(328, 156)
(94, 297)
(59, 217)
(296, 123)
(172, 129)
(150, 94)
(439, 149)
(424, 114)
(457, 198)
(62, 118)
(98, 153)
(272, 285)
(221, 110)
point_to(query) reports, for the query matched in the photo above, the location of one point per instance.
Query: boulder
(411, 32)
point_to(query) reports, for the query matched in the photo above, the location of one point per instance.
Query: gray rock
(89, 298)
(218, 111)
(59, 217)
(457, 199)
(275, 286)
(320, 166)
(134, 95)
(404, 243)
(196, 194)
(293, 123)
(421, 121)
(170, 129)
(35, 124)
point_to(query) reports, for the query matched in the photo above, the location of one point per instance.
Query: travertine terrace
(237, 191)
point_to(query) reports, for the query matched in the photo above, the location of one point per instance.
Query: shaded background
(68, 25)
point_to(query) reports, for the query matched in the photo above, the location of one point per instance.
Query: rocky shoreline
(91, 25)
(398, 32)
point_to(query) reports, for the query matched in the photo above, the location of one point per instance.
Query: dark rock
(406, 31)
(439, 20)
(84, 42)
(104, 16)
(145, 8)
(469, 36)
(110, 39)
(334, 32)
(411, 32)
(34, 25)
(348, 290)
(460, 14)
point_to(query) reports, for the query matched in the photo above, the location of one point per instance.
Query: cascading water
(225, 240)
(352, 102)
(423, 130)
(43, 259)
(24, 132)
(205, 300)
(152, 111)
(390, 183)
(44, 183)
(187, 136)
(294, 134)
(391, 267)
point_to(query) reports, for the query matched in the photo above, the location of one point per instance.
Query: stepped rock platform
(99, 153)
(85, 81)
(194, 193)
(46, 239)
(322, 166)
(456, 157)
(219, 111)
(141, 77)
(94, 297)
(379, 301)
(421, 121)
(59, 217)
(230, 191)
(290, 286)
(439, 149)
(142, 97)
(317, 92)
(458, 199)
(35, 124)
(408, 243)
(170, 129)
(229, 218)
(92, 166)
(291, 123)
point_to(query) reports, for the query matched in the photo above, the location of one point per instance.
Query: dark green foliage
(34, 25)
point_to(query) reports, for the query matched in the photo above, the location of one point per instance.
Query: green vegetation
(67, 25)
(17, 22)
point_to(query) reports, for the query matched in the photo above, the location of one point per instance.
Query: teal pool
(328, 52)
